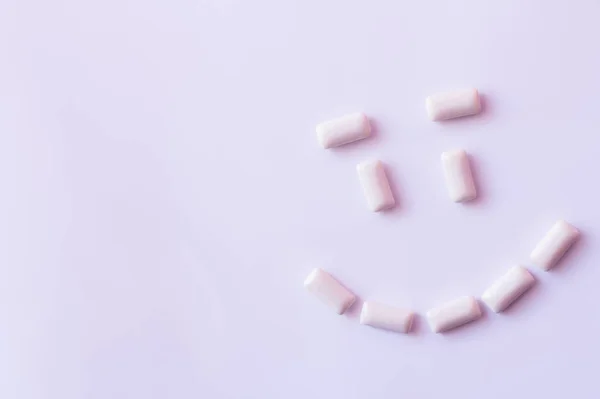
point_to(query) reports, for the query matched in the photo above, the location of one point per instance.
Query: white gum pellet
(343, 130)
(329, 290)
(386, 317)
(554, 245)
(375, 184)
(453, 104)
(508, 288)
(459, 179)
(453, 314)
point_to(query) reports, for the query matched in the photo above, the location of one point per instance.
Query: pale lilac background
(164, 197)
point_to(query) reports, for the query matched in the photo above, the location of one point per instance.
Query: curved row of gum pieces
(461, 187)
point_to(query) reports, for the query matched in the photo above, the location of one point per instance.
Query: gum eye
(459, 179)
(376, 186)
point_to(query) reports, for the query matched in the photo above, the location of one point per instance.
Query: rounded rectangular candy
(375, 185)
(453, 104)
(554, 245)
(459, 179)
(453, 314)
(386, 317)
(343, 130)
(508, 288)
(329, 290)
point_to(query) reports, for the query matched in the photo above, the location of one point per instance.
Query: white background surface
(164, 197)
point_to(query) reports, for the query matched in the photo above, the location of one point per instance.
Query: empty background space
(164, 196)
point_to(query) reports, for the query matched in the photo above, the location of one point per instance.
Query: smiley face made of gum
(461, 188)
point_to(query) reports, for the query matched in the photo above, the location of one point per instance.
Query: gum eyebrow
(453, 104)
(343, 130)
